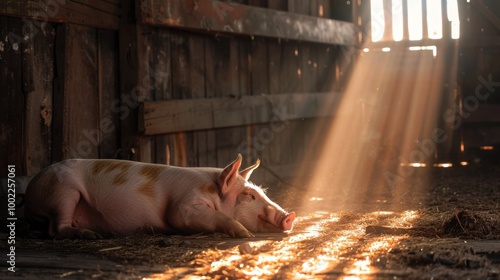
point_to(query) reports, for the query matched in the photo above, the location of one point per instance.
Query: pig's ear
(229, 176)
(248, 171)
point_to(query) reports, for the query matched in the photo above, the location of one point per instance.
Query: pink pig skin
(89, 199)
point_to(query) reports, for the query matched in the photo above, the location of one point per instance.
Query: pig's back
(130, 195)
(115, 196)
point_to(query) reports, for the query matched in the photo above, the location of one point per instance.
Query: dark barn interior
(377, 122)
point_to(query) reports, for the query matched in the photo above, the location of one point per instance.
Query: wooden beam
(218, 16)
(94, 13)
(198, 114)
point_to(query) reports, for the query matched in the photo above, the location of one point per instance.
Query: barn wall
(177, 64)
(73, 84)
(58, 84)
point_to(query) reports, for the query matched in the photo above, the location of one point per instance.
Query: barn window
(434, 19)
(417, 19)
(378, 23)
(397, 20)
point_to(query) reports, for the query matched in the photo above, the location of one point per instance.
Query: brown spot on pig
(151, 172)
(208, 189)
(121, 178)
(148, 189)
(107, 166)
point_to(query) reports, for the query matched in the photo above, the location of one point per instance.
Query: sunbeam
(384, 128)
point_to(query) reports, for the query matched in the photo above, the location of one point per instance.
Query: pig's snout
(287, 222)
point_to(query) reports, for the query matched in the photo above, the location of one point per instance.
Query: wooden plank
(93, 13)
(180, 65)
(12, 99)
(308, 68)
(336, 81)
(302, 129)
(107, 41)
(299, 7)
(199, 150)
(326, 67)
(146, 152)
(240, 19)
(100, 5)
(210, 158)
(280, 5)
(275, 49)
(182, 88)
(135, 77)
(259, 81)
(39, 101)
(259, 67)
(242, 133)
(244, 65)
(75, 12)
(80, 101)
(196, 114)
(320, 8)
(226, 85)
(160, 61)
(290, 74)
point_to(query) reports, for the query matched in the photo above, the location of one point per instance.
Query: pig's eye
(249, 196)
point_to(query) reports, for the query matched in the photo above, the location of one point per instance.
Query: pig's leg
(62, 222)
(230, 226)
(203, 218)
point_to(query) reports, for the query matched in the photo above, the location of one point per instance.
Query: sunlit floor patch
(322, 244)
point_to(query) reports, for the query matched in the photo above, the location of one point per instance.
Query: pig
(96, 198)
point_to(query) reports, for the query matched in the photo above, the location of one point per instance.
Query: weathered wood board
(107, 43)
(96, 13)
(197, 114)
(234, 18)
(77, 95)
(40, 51)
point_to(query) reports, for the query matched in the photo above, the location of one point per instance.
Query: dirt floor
(450, 230)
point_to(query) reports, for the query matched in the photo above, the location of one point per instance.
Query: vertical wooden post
(39, 101)
(134, 82)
